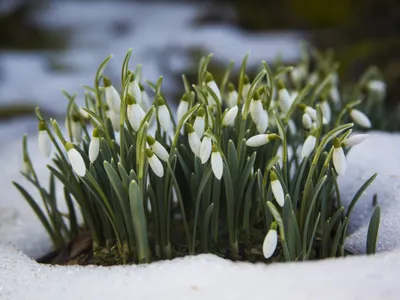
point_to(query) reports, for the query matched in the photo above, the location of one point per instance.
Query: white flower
(306, 119)
(298, 73)
(205, 149)
(134, 90)
(313, 113)
(164, 117)
(335, 95)
(83, 113)
(270, 242)
(339, 159)
(326, 110)
(231, 101)
(230, 116)
(25, 168)
(194, 140)
(112, 96)
(44, 140)
(256, 108)
(154, 163)
(199, 122)
(285, 100)
(144, 100)
(157, 148)
(115, 118)
(377, 86)
(277, 189)
(360, 118)
(308, 146)
(76, 160)
(135, 113)
(355, 139)
(213, 86)
(261, 139)
(246, 87)
(182, 107)
(263, 122)
(216, 163)
(94, 146)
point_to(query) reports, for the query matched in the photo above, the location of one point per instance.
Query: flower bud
(44, 140)
(112, 96)
(154, 163)
(277, 189)
(270, 241)
(94, 146)
(339, 159)
(75, 159)
(360, 118)
(157, 148)
(229, 118)
(216, 163)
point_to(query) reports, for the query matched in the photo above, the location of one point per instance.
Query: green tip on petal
(273, 137)
(261, 90)
(201, 112)
(132, 76)
(302, 106)
(246, 79)
(273, 176)
(95, 133)
(231, 87)
(256, 96)
(69, 146)
(149, 152)
(150, 140)
(314, 133)
(189, 128)
(160, 101)
(214, 148)
(280, 85)
(107, 82)
(41, 126)
(106, 107)
(274, 226)
(336, 143)
(75, 118)
(209, 77)
(185, 97)
(130, 100)
(141, 87)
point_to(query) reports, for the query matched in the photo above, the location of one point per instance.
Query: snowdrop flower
(44, 140)
(270, 241)
(231, 101)
(277, 189)
(326, 110)
(263, 122)
(298, 73)
(339, 159)
(308, 146)
(360, 118)
(313, 126)
(285, 100)
(355, 139)
(256, 108)
(154, 163)
(216, 163)
(199, 123)
(76, 128)
(114, 117)
(83, 113)
(75, 159)
(112, 96)
(230, 116)
(292, 127)
(163, 115)
(134, 89)
(144, 99)
(307, 121)
(377, 86)
(26, 169)
(261, 139)
(183, 107)
(94, 146)
(246, 87)
(135, 113)
(334, 94)
(312, 113)
(205, 149)
(157, 148)
(194, 140)
(213, 86)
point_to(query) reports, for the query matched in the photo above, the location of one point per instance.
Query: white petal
(134, 90)
(339, 160)
(232, 99)
(216, 164)
(270, 243)
(292, 127)
(114, 117)
(198, 126)
(245, 91)
(335, 95)
(182, 110)
(135, 115)
(77, 163)
(215, 89)
(205, 149)
(230, 116)
(113, 99)
(164, 118)
(308, 146)
(326, 110)
(355, 139)
(94, 148)
(285, 100)
(145, 102)
(277, 191)
(256, 110)
(160, 151)
(307, 122)
(360, 118)
(25, 168)
(257, 140)
(263, 122)
(44, 143)
(83, 113)
(311, 112)
(156, 165)
(377, 86)
(194, 143)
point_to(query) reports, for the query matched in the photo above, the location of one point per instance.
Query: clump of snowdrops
(246, 170)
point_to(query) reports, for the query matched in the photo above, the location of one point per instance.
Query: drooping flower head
(285, 100)
(277, 189)
(163, 115)
(134, 112)
(44, 139)
(213, 86)
(360, 118)
(112, 96)
(75, 159)
(232, 98)
(157, 148)
(261, 139)
(309, 145)
(216, 162)
(199, 122)
(194, 140)
(94, 146)
(154, 163)
(183, 107)
(339, 159)
(230, 116)
(270, 241)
